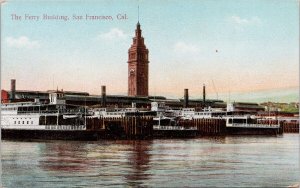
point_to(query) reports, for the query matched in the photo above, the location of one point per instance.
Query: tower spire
(138, 71)
(138, 13)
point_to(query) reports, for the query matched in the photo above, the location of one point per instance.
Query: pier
(141, 127)
(290, 127)
(130, 127)
(206, 127)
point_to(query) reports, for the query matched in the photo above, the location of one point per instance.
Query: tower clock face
(132, 71)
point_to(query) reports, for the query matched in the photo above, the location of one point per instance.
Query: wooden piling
(290, 127)
(210, 127)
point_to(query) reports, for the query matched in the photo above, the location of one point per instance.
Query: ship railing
(238, 116)
(39, 112)
(158, 127)
(50, 112)
(255, 125)
(208, 117)
(65, 127)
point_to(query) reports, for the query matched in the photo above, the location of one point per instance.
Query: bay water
(231, 161)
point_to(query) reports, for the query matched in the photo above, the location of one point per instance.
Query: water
(203, 162)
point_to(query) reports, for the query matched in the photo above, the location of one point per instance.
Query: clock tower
(138, 73)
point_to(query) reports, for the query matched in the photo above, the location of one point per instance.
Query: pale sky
(231, 46)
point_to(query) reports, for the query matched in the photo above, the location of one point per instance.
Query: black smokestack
(204, 95)
(13, 89)
(103, 96)
(186, 98)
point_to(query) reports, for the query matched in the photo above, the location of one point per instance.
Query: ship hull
(252, 131)
(9, 134)
(174, 133)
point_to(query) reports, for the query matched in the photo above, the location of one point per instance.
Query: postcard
(139, 93)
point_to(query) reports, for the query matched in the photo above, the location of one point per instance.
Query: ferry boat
(164, 126)
(251, 125)
(35, 120)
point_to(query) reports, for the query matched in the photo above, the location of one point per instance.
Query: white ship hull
(42, 121)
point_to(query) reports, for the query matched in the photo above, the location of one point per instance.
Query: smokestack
(186, 98)
(103, 96)
(13, 89)
(204, 95)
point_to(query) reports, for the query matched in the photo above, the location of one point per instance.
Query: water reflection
(102, 159)
(237, 139)
(138, 160)
(215, 139)
(63, 156)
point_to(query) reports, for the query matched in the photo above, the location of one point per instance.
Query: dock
(141, 127)
(130, 127)
(290, 127)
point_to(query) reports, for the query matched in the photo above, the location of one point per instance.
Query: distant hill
(275, 95)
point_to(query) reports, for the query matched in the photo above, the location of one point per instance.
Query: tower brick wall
(138, 70)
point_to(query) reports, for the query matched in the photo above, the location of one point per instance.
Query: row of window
(9, 109)
(22, 122)
(22, 118)
(202, 114)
